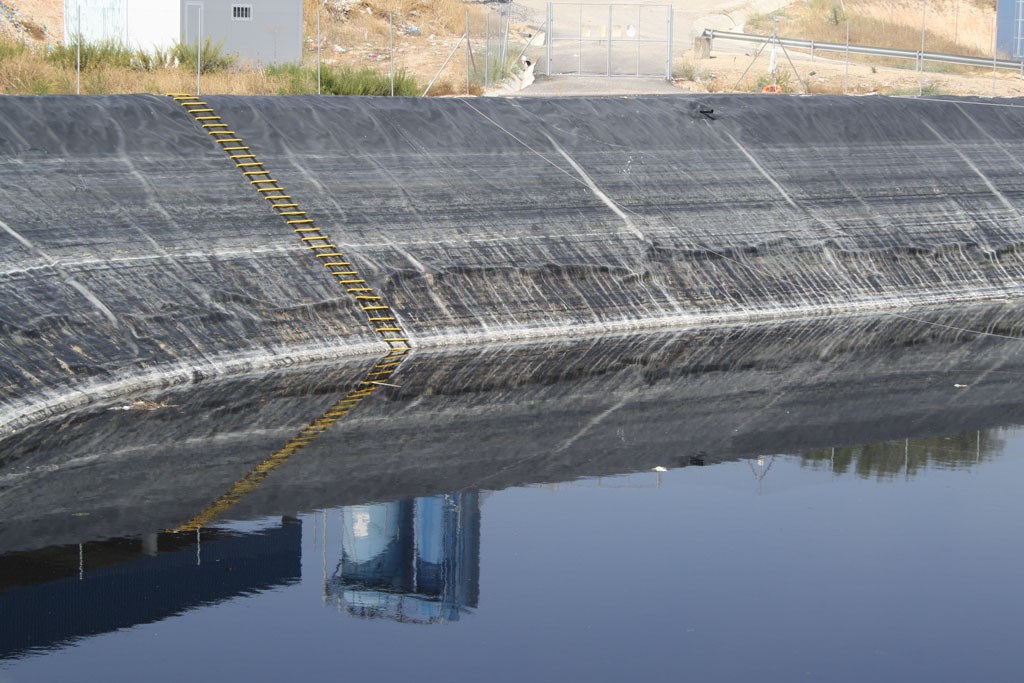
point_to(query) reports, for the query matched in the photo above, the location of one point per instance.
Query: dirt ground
(37, 20)
(722, 73)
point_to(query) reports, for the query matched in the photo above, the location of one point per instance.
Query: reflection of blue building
(56, 595)
(414, 560)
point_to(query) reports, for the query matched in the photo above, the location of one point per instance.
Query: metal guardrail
(814, 45)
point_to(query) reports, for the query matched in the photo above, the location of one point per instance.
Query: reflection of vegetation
(891, 458)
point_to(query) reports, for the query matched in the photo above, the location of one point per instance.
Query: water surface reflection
(807, 494)
(411, 560)
(438, 560)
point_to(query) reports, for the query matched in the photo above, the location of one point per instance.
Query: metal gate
(609, 40)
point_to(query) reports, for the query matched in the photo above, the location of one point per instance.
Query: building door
(609, 40)
(193, 23)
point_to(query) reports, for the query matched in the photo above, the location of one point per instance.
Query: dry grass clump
(293, 79)
(25, 69)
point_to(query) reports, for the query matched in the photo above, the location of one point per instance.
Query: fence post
(504, 45)
(467, 55)
(993, 56)
(920, 68)
(391, 48)
(608, 35)
(579, 37)
(318, 48)
(78, 51)
(671, 35)
(846, 75)
(551, 37)
(199, 50)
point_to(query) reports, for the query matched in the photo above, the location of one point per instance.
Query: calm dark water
(896, 561)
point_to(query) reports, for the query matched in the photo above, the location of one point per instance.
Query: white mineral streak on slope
(593, 422)
(631, 227)
(582, 176)
(988, 183)
(70, 281)
(761, 169)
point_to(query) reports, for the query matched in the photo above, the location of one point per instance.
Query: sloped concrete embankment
(134, 253)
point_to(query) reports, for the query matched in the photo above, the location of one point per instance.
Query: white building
(264, 31)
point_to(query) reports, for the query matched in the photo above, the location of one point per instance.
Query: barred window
(241, 12)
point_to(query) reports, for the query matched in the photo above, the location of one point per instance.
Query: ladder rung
(233, 149)
(396, 339)
(243, 156)
(207, 118)
(196, 111)
(266, 189)
(224, 132)
(293, 213)
(351, 282)
(329, 255)
(315, 239)
(383, 319)
(320, 246)
(299, 220)
(389, 329)
(334, 264)
(375, 308)
(280, 206)
(338, 273)
(279, 196)
(352, 290)
(250, 164)
(307, 229)
(364, 297)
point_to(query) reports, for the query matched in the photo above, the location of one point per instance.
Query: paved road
(590, 86)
